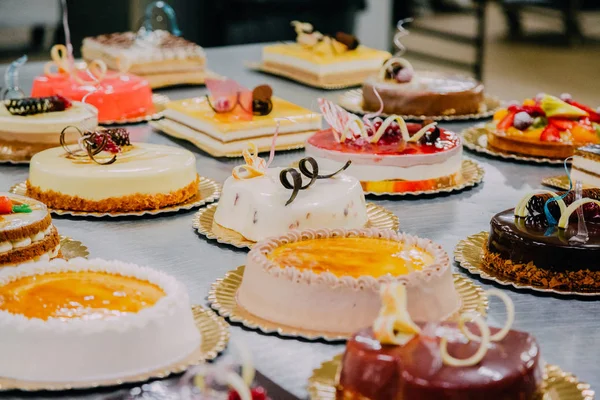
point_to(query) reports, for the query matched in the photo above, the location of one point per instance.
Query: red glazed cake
(387, 155)
(439, 362)
(117, 96)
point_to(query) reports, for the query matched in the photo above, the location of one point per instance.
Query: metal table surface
(566, 327)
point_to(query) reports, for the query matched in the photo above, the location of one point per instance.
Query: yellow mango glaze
(286, 112)
(353, 257)
(324, 58)
(83, 295)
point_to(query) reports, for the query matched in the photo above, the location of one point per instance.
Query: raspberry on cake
(160, 57)
(108, 173)
(117, 96)
(387, 155)
(321, 60)
(91, 320)
(26, 231)
(258, 202)
(399, 359)
(223, 122)
(328, 280)
(545, 126)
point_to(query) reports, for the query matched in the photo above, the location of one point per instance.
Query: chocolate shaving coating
(35, 105)
(95, 142)
(312, 174)
(347, 39)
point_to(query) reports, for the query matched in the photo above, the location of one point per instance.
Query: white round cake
(91, 320)
(256, 208)
(144, 176)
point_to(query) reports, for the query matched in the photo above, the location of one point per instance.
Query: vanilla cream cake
(159, 56)
(91, 320)
(586, 165)
(144, 177)
(31, 130)
(26, 231)
(328, 280)
(328, 67)
(256, 208)
(227, 134)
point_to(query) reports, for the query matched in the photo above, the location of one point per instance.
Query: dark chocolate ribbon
(89, 145)
(312, 174)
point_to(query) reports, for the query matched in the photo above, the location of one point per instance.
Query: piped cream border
(436, 269)
(176, 297)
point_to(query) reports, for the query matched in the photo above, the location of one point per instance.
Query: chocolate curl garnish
(89, 145)
(312, 173)
(37, 105)
(11, 79)
(350, 41)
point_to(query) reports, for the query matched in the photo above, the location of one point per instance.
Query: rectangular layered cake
(224, 135)
(319, 68)
(586, 165)
(159, 56)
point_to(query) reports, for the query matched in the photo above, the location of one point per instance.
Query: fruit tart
(388, 156)
(545, 126)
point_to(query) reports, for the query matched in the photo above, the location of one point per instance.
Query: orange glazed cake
(26, 231)
(111, 174)
(91, 320)
(320, 60)
(328, 280)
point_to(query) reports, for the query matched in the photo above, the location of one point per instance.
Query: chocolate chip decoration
(350, 41)
(261, 100)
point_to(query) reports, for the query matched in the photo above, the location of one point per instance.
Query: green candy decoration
(21, 208)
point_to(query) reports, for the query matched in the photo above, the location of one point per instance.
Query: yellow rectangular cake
(228, 134)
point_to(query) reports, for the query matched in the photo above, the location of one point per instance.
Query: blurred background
(517, 47)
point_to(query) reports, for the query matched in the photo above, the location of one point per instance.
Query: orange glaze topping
(83, 294)
(355, 257)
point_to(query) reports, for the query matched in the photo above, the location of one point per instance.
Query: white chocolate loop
(481, 350)
(521, 208)
(563, 222)
(394, 60)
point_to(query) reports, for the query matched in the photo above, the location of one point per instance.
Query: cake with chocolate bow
(387, 155)
(106, 172)
(397, 358)
(328, 280)
(549, 240)
(26, 231)
(259, 201)
(323, 60)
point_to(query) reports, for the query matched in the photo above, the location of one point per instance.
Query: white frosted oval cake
(328, 280)
(30, 125)
(259, 204)
(26, 231)
(91, 320)
(143, 176)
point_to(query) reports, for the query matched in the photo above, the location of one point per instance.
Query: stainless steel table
(565, 327)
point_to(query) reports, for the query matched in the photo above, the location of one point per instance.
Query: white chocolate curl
(393, 325)
(521, 208)
(59, 53)
(485, 339)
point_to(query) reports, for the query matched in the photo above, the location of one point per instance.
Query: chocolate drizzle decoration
(313, 174)
(36, 105)
(92, 143)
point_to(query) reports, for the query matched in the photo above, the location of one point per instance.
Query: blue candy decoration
(551, 220)
(11, 79)
(167, 10)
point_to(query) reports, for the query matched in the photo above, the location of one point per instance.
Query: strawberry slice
(594, 116)
(550, 134)
(5, 205)
(562, 124)
(507, 121)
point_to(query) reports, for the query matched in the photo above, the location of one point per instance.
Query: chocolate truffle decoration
(350, 41)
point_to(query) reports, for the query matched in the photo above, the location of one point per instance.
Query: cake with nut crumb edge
(108, 173)
(388, 155)
(524, 247)
(26, 231)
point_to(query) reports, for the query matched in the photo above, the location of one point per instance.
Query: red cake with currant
(545, 126)
(388, 156)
